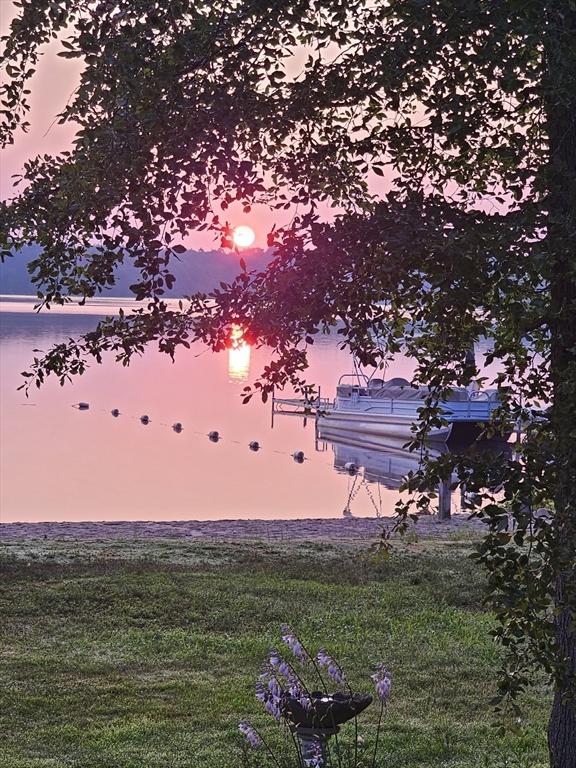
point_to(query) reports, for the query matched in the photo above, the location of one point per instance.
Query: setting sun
(243, 236)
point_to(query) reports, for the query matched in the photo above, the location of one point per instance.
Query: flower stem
(355, 741)
(329, 753)
(314, 664)
(337, 745)
(317, 670)
(378, 734)
(272, 755)
(297, 748)
(300, 680)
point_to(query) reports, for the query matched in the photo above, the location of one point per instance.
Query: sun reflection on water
(238, 356)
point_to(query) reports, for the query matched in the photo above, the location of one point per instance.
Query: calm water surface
(59, 463)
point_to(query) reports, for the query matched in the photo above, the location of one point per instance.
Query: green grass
(144, 654)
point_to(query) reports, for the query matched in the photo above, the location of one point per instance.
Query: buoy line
(214, 435)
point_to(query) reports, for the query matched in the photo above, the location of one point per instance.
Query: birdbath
(313, 725)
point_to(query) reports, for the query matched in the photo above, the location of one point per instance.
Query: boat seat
(397, 381)
(459, 395)
(403, 391)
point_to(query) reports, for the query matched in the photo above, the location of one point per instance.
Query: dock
(300, 406)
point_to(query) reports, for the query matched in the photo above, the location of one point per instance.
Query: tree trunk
(562, 725)
(561, 113)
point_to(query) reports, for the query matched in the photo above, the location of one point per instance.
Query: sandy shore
(330, 529)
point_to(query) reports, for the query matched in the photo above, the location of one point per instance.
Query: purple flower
(269, 693)
(277, 662)
(274, 688)
(273, 708)
(334, 669)
(292, 641)
(279, 681)
(383, 682)
(251, 734)
(286, 671)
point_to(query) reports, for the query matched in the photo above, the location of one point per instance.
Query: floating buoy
(214, 435)
(115, 412)
(145, 419)
(298, 456)
(350, 467)
(177, 427)
(254, 445)
(83, 406)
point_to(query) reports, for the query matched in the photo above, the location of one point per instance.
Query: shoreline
(315, 529)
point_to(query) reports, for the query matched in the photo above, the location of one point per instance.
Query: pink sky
(52, 85)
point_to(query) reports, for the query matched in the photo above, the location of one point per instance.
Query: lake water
(62, 464)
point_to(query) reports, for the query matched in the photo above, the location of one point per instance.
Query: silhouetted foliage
(466, 109)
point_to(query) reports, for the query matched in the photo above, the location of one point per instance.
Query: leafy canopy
(411, 140)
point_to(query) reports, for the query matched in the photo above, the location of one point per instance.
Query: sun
(243, 236)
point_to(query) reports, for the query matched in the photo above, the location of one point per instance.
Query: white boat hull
(343, 423)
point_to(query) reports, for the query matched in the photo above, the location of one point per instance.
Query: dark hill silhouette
(195, 271)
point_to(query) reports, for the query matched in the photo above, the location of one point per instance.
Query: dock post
(463, 497)
(445, 500)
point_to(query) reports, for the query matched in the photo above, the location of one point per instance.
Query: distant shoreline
(96, 305)
(316, 529)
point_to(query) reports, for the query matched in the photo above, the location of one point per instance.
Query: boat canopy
(397, 389)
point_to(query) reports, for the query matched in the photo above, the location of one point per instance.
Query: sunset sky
(52, 85)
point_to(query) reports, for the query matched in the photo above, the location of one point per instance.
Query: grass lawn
(143, 654)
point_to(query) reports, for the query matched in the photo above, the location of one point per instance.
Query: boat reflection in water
(385, 462)
(238, 356)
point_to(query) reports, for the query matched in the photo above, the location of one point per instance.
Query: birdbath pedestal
(314, 724)
(312, 743)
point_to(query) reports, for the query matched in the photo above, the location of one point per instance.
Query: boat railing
(466, 409)
(484, 396)
(294, 406)
(356, 376)
(317, 402)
